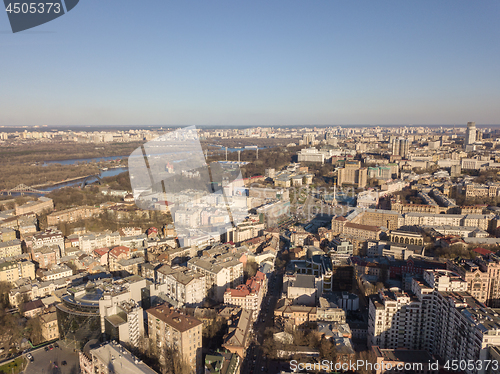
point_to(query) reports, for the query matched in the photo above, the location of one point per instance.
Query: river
(109, 172)
(104, 173)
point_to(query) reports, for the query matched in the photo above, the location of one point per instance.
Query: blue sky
(236, 62)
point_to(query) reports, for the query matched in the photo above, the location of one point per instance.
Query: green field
(13, 367)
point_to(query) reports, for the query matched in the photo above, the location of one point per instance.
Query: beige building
(43, 204)
(364, 232)
(449, 324)
(9, 272)
(479, 190)
(72, 215)
(378, 217)
(10, 248)
(168, 327)
(353, 173)
(50, 329)
(481, 276)
(7, 234)
(296, 314)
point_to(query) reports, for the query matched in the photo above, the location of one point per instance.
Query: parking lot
(58, 360)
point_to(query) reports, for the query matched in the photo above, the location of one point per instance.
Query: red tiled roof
(483, 251)
(101, 251)
(119, 250)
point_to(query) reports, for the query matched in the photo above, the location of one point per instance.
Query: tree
(5, 288)
(173, 363)
(251, 269)
(327, 349)
(34, 328)
(269, 347)
(365, 356)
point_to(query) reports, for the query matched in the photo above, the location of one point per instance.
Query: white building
(111, 358)
(184, 286)
(450, 324)
(248, 296)
(219, 275)
(56, 272)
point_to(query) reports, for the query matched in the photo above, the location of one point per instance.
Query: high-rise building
(438, 316)
(168, 327)
(401, 147)
(353, 173)
(470, 136)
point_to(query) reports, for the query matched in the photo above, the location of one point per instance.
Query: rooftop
(173, 318)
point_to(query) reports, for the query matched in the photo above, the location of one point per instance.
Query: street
(255, 361)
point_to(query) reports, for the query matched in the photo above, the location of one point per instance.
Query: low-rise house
(56, 272)
(117, 254)
(237, 339)
(33, 308)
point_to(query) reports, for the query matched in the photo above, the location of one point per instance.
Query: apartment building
(49, 237)
(11, 271)
(248, 295)
(362, 232)
(244, 231)
(481, 190)
(482, 277)
(450, 324)
(170, 328)
(316, 264)
(72, 215)
(397, 360)
(182, 285)
(220, 274)
(297, 315)
(352, 173)
(89, 242)
(43, 204)
(10, 248)
(376, 217)
(389, 310)
(115, 255)
(46, 256)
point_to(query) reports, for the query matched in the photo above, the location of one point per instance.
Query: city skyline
(254, 64)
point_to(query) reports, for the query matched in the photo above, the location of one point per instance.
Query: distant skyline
(259, 63)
